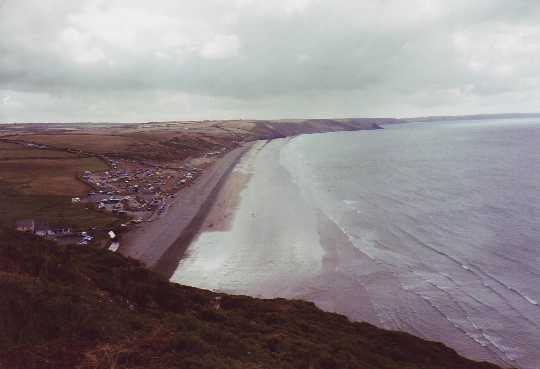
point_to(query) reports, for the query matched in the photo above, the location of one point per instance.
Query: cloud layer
(134, 60)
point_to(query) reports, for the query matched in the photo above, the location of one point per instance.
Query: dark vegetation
(73, 307)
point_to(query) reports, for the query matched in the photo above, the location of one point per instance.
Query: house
(42, 229)
(25, 225)
(113, 200)
(61, 231)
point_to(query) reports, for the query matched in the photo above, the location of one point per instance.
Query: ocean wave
(403, 227)
(476, 336)
(508, 287)
(476, 270)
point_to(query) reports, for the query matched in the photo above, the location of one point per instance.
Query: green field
(16, 151)
(39, 184)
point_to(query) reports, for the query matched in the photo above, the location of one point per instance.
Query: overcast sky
(115, 60)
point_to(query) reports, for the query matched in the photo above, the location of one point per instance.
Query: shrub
(189, 342)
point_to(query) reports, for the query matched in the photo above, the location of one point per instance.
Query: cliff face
(73, 307)
(286, 128)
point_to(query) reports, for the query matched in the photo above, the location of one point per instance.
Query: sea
(432, 228)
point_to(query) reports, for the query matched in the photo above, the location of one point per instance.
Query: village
(134, 190)
(130, 190)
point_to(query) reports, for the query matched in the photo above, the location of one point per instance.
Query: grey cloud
(134, 60)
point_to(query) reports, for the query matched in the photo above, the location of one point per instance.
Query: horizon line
(433, 117)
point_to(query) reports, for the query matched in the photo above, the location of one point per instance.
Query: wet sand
(161, 243)
(246, 254)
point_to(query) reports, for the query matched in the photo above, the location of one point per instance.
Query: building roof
(41, 226)
(26, 223)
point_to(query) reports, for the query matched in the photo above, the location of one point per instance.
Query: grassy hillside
(72, 307)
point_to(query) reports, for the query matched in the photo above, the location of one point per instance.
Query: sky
(135, 60)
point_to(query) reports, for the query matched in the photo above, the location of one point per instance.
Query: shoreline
(221, 213)
(264, 253)
(168, 262)
(160, 245)
(255, 252)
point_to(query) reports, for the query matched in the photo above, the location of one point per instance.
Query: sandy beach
(159, 244)
(275, 252)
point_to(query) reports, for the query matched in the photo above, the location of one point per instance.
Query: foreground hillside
(72, 307)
